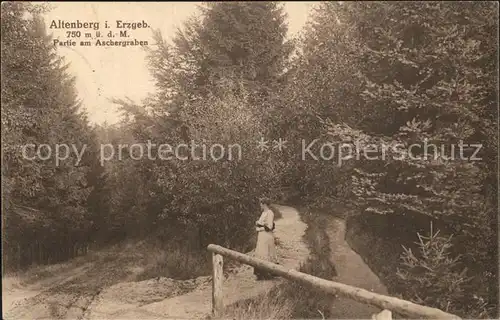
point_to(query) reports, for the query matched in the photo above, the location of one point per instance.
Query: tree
(237, 47)
(428, 68)
(40, 106)
(445, 279)
(214, 83)
(322, 84)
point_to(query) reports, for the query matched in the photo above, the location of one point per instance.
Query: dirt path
(102, 285)
(105, 289)
(66, 295)
(66, 290)
(351, 270)
(292, 251)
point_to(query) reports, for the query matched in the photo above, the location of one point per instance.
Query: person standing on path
(265, 248)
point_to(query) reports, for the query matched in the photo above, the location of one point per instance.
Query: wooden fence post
(217, 282)
(398, 306)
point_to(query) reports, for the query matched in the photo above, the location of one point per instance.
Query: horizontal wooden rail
(396, 305)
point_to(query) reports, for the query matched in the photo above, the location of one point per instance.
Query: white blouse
(266, 219)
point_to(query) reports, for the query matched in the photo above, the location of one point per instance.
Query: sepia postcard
(250, 160)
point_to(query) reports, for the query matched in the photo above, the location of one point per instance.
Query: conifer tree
(430, 69)
(214, 83)
(40, 106)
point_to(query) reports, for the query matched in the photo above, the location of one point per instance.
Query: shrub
(433, 276)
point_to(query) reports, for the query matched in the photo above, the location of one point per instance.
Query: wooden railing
(386, 303)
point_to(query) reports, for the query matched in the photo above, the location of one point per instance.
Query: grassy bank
(178, 262)
(156, 257)
(291, 300)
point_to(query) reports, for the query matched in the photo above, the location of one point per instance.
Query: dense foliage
(209, 92)
(40, 106)
(423, 74)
